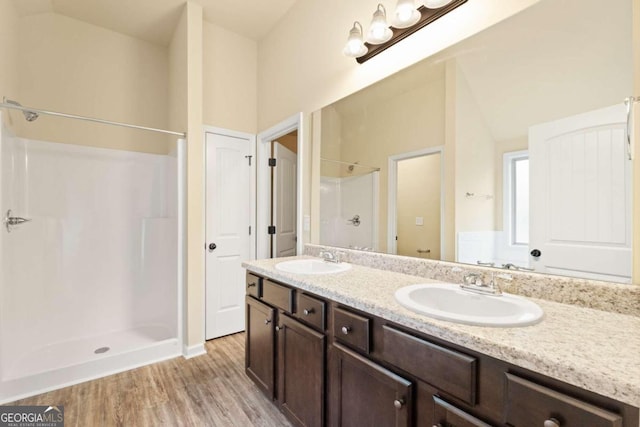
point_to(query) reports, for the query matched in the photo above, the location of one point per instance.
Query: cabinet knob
(307, 311)
(279, 328)
(398, 403)
(267, 321)
(551, 422)
(438, 425)
(346, 329)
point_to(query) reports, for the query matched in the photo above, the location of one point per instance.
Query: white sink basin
(312, 266)
(450, 302)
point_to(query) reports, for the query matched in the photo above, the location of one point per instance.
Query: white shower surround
(340, 200)
(97, 265)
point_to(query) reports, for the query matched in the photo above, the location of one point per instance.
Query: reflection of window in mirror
(516, 190)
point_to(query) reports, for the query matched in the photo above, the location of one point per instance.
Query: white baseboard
(193, 351)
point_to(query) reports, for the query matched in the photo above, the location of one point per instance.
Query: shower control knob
(536, 253)
(212, 247)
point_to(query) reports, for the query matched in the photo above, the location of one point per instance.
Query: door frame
(392, 194)
(263, 208)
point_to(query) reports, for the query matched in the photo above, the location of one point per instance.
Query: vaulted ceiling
(155, 20)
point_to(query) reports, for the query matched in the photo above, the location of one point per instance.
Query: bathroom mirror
(507, 149)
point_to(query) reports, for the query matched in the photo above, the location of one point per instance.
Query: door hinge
(272, 162)
(271, 229)
(248, 157)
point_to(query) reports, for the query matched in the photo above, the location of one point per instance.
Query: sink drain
(101, 350)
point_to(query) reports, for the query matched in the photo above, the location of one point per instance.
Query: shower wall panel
(100, 252)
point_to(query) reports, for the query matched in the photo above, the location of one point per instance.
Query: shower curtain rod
(350, 163)
(88, 119)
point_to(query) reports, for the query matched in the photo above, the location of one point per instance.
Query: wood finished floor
(209, 390)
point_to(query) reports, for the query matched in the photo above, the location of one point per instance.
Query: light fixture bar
(427, 16)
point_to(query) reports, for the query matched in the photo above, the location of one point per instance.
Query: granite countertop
(592, 349)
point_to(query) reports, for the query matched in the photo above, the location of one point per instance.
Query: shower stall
(90, 259)
(349, 199)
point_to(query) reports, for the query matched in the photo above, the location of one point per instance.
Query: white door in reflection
(581, 196)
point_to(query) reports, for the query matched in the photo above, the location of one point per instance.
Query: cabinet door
(301, 372)
(447, 415)
(259, 347)
(363, 393)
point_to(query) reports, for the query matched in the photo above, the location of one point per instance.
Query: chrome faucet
(473, 282)
(329, 256)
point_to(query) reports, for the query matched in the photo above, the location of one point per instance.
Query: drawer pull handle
(398, 403)
(346, 329)
(308, 311)
(551, 422)
(251, 285)
(267, 321)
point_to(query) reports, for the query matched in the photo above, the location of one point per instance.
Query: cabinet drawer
(277, 295)
(452, 372)
(351, 329)
(446, 414)
(254, 285)
(311, 311)
(530, 404)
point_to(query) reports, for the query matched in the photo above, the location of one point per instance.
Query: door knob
(536, 253)
(212, 247)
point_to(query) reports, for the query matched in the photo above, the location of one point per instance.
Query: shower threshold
(70, 353)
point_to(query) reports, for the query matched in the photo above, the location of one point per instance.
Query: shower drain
(101, 350)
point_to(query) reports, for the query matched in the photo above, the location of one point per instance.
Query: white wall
(70, 66)
(230, 82)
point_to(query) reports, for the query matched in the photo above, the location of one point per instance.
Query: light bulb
(406, 14)
(435, 4)
(355, 47)
(379, 31)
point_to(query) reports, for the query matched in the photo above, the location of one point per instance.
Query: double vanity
(356, 345)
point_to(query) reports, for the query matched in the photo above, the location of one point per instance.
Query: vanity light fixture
(435, 4)
(355, 44)
(406, 21)
(379, 31)
(406, 14)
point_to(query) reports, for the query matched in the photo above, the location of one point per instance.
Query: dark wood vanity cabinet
(327, 364)
(284, 357)
(260, 345)
(363, 393)
(301, 372)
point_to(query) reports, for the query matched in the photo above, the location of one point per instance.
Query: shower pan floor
(70, 353)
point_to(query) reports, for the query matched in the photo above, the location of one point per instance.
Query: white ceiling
(155, 20)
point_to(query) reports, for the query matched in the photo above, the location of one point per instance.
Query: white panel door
(581, 196)
(228, 221)
(284, 201)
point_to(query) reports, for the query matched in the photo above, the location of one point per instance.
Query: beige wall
(301, 68)
(9, 57)
(230, 82)
(70, 66)
(419, 196)
(474, 161)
